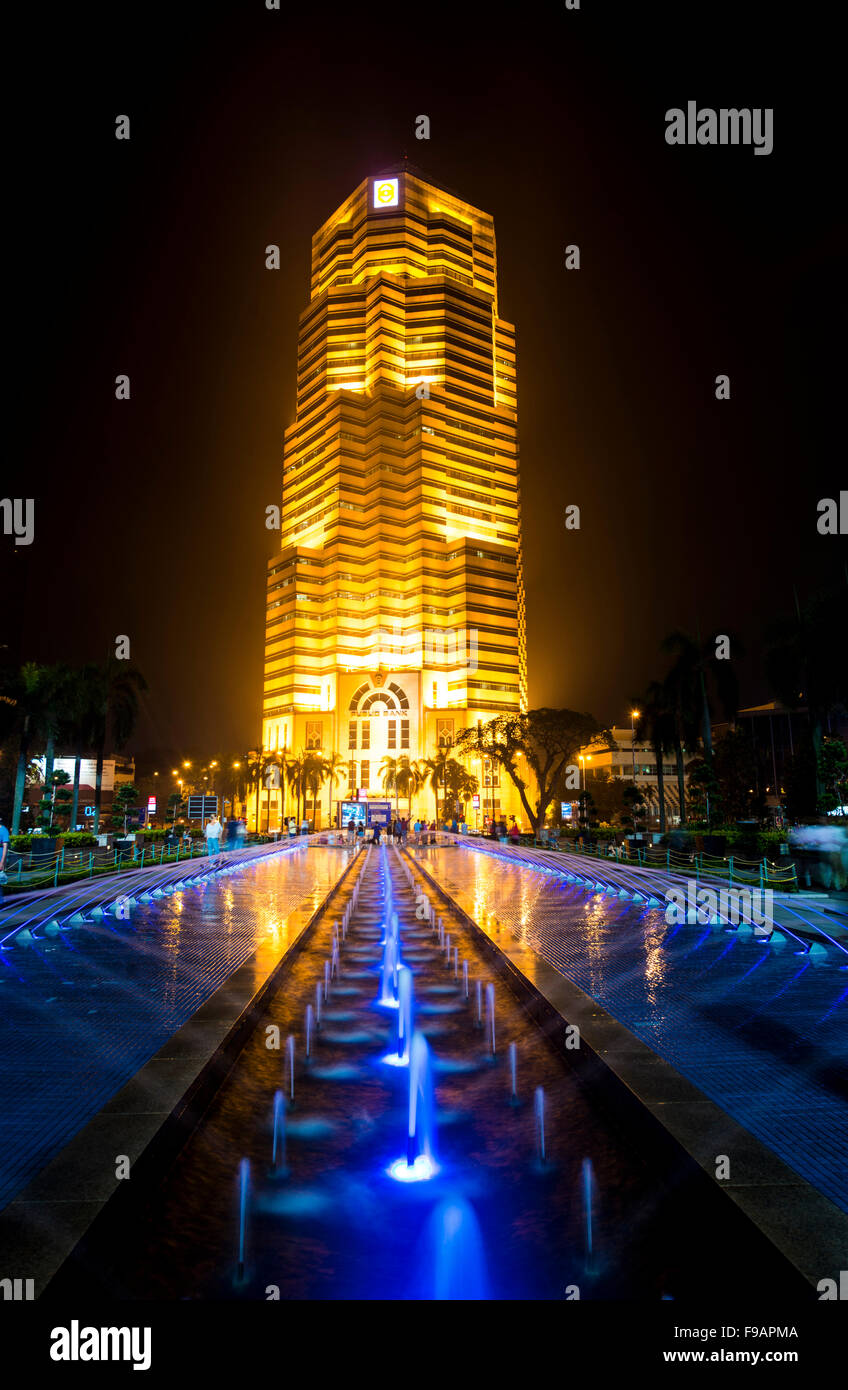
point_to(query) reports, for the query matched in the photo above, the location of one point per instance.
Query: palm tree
(27, 693)
(683, 697)
(390, 773)
(264, 762)
(411, 777)
(116, 686)
(656, 724)
(293, 772)
(335, 768)
(314, 774)
(255, 768)
(436, 774)
(695, 668)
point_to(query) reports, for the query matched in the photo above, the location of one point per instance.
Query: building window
(392, 726)
(491, 774)
(351, 778)
(444, 733)
(435, 694)
(365, 774)
(351, 734)
(314, 734)
(404, 733)
(366, 734)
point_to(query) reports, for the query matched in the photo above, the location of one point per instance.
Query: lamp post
(634, 715)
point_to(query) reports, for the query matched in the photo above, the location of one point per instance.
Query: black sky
(249, 127)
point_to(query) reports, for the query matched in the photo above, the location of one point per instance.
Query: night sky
(250, 127)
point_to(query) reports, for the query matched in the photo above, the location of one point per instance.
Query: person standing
(213, 835)
(241, 833)
(4, 854)
(376, 833)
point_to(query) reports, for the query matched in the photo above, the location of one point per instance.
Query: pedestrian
(213, 835)
(292, 827)
(241, 833)
(4, 852)
(360, 832)
(514, 832)
(404, 829)
(351, 831)
(416, 831)
(304, 826)
(376, 833)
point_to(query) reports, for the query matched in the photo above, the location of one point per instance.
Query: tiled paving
(759, 1029)
(80, 1012)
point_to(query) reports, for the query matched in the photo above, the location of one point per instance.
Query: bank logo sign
(385, 193)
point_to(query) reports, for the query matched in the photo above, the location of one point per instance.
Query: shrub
(78, 839)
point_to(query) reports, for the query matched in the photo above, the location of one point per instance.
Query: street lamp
(634, 715)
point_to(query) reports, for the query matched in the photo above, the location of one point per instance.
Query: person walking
(213, 835)
(241, 833)
(376, 834)
(351, 831)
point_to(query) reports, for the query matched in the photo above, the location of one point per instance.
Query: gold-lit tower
(395, 607)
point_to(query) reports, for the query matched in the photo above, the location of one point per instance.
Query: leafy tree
(833, 773)
(547, 740)
(735, 766)
(704, 795)
(807, 665)
(124, 800)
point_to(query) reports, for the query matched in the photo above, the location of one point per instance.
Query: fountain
(318, 1004)
(420, 1162)
(244, 1184)
(540, 1122)
(588, 1183)
(513, 1061)
(290, 1059)
(326, 979)
(309, 1016)
(490, 1015)
(465, 977)
(478, 989)
(388, 974)
(278, 1146)
(404, 1034)
(447, 950)
(456, 962)
(455, 1258)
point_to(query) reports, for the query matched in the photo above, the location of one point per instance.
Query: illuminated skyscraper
(395, 608)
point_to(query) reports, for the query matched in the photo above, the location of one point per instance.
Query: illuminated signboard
(475, 801)
(151, 806)
(385, 193)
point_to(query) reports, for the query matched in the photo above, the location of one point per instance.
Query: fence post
(56, 872)
(762, 871)
(90, 863)
(730, 862)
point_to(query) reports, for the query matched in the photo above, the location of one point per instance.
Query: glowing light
(420, 1171)
(385, 193)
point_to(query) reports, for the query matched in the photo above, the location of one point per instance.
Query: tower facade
(395, 607)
